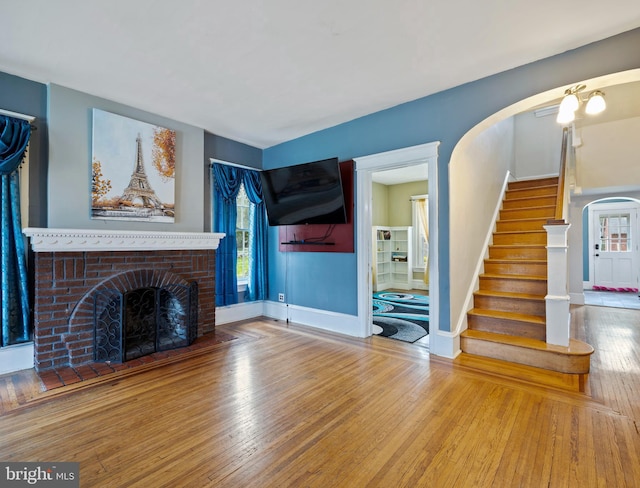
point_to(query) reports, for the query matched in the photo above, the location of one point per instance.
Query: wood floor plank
(284, 405)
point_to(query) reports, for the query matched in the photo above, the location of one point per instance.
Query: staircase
(507, 321)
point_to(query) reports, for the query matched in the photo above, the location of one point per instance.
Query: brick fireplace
(71, 266)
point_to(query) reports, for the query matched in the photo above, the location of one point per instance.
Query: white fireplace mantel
(74, 240)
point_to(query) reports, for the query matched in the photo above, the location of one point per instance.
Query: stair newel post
(557, 298)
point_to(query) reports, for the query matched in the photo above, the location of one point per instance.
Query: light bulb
(565, 116)
(596, 103)
(569, 103)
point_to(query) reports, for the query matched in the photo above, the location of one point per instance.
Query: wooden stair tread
(526, 219)
(522, 317)
(522, 372)
(514, 261)
(521, 193)
(514, 190)
(535, 207)
(535, 182)
(508, 294)
(525, 246)
(513, 277)
(505, 232)
(518, 251)
(530, 197)
(575, 348)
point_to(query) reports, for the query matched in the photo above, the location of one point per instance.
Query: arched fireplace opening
(138, 322)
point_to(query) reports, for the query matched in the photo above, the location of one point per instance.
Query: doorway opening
(611, 253)
(366, 167)
(400, 239)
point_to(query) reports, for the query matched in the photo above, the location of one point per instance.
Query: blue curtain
(227, 181)
(14, 137)
(258, 245)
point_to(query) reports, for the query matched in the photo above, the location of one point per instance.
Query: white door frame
(365, 167)
(604, 205)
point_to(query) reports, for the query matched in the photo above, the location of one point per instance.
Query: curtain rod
(16, 115)
(212, 161)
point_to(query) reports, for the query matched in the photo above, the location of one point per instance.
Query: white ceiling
(264, 72)
(397, 176)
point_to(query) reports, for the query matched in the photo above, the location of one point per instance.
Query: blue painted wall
(444, 117)
(30, 98)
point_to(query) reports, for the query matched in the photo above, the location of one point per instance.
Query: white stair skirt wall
(16, 358)
(461, 324)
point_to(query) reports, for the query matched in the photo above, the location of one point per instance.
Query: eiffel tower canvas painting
(132, 170)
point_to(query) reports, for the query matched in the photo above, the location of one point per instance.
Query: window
(420, 234)
(614, 230)
(243, 235)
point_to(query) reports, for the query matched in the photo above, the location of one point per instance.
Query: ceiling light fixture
(572, 101)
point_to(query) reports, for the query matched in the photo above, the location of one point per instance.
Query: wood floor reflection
(284, 405)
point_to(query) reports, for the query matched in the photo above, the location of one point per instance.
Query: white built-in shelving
(392, 258)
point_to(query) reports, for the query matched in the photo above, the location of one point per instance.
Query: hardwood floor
(284, 405)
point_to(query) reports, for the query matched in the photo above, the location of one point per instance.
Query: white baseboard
(320, 319)
(239, 311)
(419, 285)
(576, 298)
(16, 358)
(444, 344)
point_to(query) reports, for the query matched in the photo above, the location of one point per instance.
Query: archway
(466, 248)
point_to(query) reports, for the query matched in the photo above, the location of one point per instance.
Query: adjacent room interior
(401, 253)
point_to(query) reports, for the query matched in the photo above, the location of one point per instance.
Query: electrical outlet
(281, 297)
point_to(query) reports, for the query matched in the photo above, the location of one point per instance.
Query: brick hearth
(68, 375)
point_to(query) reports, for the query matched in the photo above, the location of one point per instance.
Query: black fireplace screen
(139, 322)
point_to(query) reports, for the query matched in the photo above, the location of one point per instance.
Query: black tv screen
(309, 193)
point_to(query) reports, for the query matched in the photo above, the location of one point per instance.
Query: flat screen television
(309, 193)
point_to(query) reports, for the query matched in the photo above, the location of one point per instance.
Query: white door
(615, 248)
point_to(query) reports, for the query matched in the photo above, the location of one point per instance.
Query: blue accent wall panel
(325, 282)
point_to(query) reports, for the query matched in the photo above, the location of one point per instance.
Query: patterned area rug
(401, 316)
